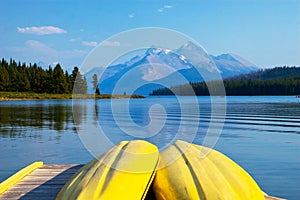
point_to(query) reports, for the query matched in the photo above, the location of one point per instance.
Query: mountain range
(158, 67)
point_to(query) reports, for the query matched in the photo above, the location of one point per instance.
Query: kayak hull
(124, 172)
(189, 171)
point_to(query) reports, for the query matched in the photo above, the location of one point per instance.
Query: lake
(262, 134)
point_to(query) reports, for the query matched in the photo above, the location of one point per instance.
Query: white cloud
(42, 30)
(160, 10)
(74, 39)
(111, 43)
(132, 15)
(89, 44)
(168, 6)
(105, 43)
(164, 8)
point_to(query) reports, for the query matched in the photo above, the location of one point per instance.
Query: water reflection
(29, 120)
(260, 133)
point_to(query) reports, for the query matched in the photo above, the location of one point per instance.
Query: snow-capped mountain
(231, 63)
(193, 52)
(159, 67)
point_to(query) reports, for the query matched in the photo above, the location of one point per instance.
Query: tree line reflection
(32, 120)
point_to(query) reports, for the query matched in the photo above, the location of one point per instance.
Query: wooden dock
(43, 183)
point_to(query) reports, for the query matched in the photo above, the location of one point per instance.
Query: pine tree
(85, 86)
(80, 84)
(95, 84)
(68, 82)
(13, 76)
(4, 79)
(59, 80)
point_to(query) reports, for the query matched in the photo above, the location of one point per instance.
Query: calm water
(262, 134)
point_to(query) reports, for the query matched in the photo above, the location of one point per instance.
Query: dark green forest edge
(21, 81)
(276, 81)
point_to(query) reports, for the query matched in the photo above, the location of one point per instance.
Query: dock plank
(43, 183)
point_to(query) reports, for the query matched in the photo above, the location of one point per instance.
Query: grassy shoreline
(5, 96)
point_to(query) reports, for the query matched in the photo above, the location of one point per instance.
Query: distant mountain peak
(157, 63)
(153, 51)
(233, 59)
(231, 56)
(242, 60)
(192, 53)
(157, 51)
(190, 45)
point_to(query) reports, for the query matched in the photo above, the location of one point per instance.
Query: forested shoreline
(275, 81)
(22, 77)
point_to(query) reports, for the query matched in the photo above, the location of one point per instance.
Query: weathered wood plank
(45, 171)
(57, 166)
(52, 182)
(32, 195)
(32, 186)
(43, 183)
(19, 175)
(47, 177)
(51, 174)
(38, 193)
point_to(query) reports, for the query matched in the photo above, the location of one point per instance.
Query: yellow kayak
(183, 171)
(124, 172)
(189, 171)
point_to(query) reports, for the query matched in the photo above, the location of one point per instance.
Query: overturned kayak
(183, 171)
(124, 172)
(189, 171)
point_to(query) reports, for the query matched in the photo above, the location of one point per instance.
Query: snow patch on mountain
(154, 72)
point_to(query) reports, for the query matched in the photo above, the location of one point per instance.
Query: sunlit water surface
(262, 134)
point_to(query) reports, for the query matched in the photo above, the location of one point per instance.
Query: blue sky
(265, 32)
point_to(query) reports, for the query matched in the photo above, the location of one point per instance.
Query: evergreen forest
(22, 77)
(275, 81)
